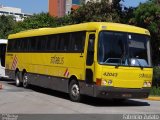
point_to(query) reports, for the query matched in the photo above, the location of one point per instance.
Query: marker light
(104, 27)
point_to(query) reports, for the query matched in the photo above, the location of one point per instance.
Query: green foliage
(156, 76)
(127, 14)
(155, 91)
(7, 25)
(147, 15)
(156, 72)
(66, 20)
(100, 11)
(36, 21)
(95, 11)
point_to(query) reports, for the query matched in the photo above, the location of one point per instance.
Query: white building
(68, 6)
(16, 12)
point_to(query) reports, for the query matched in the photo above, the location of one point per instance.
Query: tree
(127, 14)
(147, 15)
(36, 21)
(96, 12)
(117, 6)
(7, 25)
(91, 12)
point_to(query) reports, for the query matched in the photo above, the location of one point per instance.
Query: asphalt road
(36, 100)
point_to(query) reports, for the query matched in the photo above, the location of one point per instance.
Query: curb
(154, 98)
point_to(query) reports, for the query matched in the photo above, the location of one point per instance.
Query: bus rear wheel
(74, 91)
(25, 80)
(17, 77)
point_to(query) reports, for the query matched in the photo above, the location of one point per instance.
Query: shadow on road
(86, 99)
(6, 80)
(113, 103)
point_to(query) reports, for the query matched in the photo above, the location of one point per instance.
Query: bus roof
(91, 26)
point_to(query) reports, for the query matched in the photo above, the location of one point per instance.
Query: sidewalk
(154, 98)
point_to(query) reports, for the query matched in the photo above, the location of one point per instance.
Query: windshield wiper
(117, 66)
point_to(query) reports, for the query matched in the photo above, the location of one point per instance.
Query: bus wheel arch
(73, 77)
(74, 89)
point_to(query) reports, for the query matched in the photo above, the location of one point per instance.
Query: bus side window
(41, 43)
(90, 52)
(64, 42)
(2, 54)
(32, 43)
(78, 40)
(11, 45)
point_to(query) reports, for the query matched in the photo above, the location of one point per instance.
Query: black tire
(74, 91)
(25, 80)
(18, 81)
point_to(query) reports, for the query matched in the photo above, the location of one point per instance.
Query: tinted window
(41, 43)
(2, 54)
(64, 42)
(23, 44)
(138, 50)
(32, 44)
(78, 39)
(112, 48)
(120, 48)
(51, 42)
(67, 42)
(11, 45)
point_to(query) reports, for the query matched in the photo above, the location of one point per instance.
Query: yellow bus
(99, 59)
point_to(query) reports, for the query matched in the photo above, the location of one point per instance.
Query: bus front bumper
(112, 92)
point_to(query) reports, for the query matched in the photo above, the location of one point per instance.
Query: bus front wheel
(74, 91)
(25, 80)
(17, 76)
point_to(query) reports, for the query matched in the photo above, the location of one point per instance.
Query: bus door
(89, 76)
(2, 59)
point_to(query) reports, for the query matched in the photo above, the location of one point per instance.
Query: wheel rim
(75, 91)
(17, 81)
(25, 81)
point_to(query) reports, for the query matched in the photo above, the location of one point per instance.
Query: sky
(132, 3)
(37, 6)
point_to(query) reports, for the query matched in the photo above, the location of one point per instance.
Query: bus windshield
(125, 49)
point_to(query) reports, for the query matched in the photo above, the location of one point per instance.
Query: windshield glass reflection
(117, 48)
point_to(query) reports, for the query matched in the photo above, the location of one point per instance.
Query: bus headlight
(104, 82)
(145, 84)
(149, 84)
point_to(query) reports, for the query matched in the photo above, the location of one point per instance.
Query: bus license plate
(127, 95)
